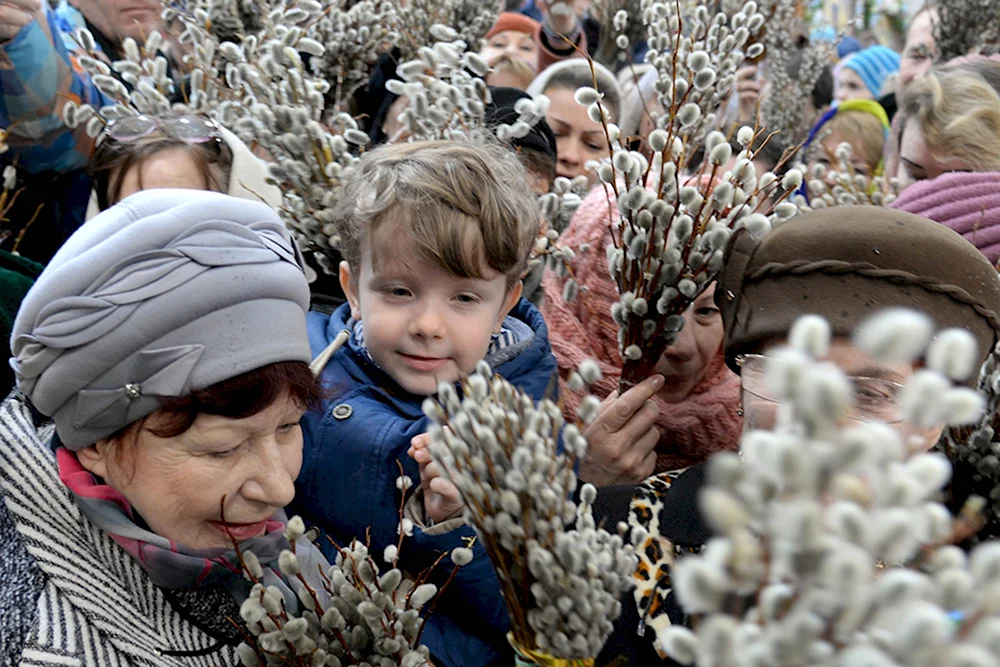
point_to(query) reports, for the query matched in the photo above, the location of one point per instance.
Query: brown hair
(467, 206)
(236, 398)
(958, 109)
(112, 159)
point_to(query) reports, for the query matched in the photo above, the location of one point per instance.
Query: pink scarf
(691, 430)
(169, 564)
(967, 202)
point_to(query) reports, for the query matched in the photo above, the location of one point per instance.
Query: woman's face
(578, 139)
(917, 162)
(849, 86)
(168, 168)
(392, 127)
(513, 43)
(686, 362)
(177, 484)
(877, 385)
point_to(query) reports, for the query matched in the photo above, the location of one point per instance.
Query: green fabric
(17, 275)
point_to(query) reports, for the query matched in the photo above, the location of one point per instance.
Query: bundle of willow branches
(561, 577)
(833, 548)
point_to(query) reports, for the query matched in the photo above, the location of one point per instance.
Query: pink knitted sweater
(703, 423)
(966, 202)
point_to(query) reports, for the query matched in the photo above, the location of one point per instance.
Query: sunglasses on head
(189, 129)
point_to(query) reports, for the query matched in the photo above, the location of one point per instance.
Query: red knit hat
(514, 21)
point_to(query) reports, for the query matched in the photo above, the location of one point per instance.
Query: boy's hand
(622, 439)
(442, 501)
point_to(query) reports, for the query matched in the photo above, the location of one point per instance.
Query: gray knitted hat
(169, 292)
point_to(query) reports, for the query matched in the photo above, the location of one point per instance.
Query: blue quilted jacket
(348, 480)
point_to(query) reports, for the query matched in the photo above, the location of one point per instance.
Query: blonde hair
(515, 67)
(958, 109)
(466, 206)
(862, 130)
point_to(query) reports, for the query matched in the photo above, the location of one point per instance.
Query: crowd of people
(183, 379)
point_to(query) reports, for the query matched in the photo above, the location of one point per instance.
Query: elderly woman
(843, 264)
(677, 418)
(167, 343)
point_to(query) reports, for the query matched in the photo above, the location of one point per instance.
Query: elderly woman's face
(177, 484)
(514, 44)
(686, 362)
(876, 388)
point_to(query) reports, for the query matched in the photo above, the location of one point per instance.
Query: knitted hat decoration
(873, 66)
(847, 45)
(166, 293)
(967, 202)
(847, 263)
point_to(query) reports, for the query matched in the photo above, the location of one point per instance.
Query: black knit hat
(501, 112)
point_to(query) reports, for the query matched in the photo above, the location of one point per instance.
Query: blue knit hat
(847, 45)
(873, 65)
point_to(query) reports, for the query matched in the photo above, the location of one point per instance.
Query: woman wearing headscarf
(166, 343)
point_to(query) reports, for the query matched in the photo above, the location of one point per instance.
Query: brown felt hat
(847, 263)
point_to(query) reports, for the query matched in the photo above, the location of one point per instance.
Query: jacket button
(343, 411)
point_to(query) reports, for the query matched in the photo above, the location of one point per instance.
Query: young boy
(435, 237)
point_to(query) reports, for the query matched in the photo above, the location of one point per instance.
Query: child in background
(861, 123)
(863, 75)
(435, 237)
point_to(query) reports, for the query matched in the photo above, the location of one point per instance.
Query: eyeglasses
(874, 399)
(189, 129)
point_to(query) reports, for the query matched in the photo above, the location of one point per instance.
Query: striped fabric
(37, 73)
(97, 607)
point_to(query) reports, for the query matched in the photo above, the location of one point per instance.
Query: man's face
(918, 52)
(118, 19)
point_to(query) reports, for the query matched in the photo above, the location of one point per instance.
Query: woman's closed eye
(225, 453)
(288, 428)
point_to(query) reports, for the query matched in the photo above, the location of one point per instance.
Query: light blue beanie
(874, 65)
